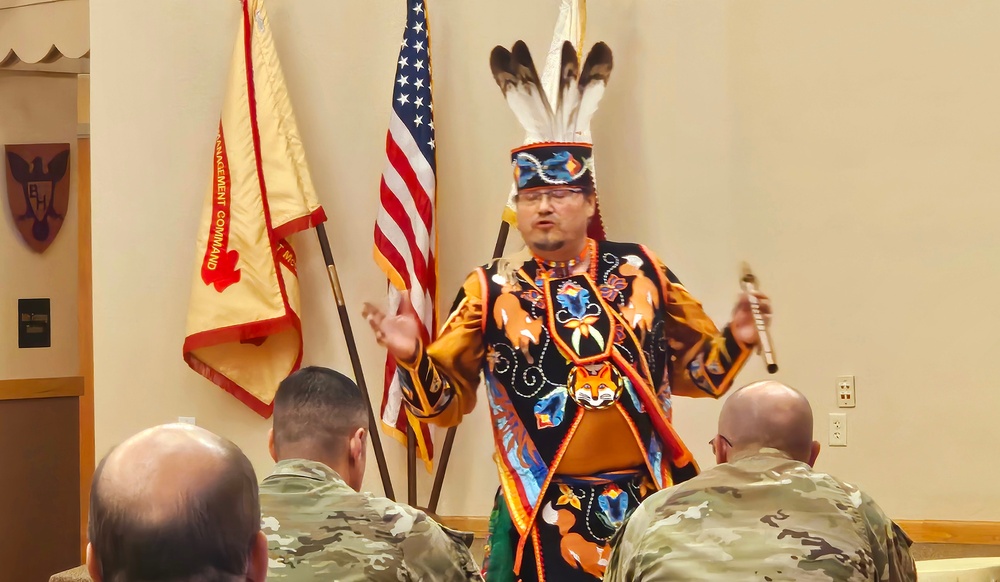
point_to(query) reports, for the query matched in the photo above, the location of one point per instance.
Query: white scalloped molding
(43, 31)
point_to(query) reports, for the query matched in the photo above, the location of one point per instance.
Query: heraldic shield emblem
(38, 190)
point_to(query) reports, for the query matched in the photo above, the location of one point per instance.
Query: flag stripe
(423, 302)
(403, 186)
(403, 209)
(400, 234)
(410, 186)
(420, 296)
(385, 249)
(403, 143)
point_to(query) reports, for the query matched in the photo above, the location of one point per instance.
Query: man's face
(553, 217)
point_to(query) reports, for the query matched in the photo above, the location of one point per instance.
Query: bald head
(769, 415)
(174, 502)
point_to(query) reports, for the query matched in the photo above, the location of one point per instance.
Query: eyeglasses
(534, 197)
(717, 437)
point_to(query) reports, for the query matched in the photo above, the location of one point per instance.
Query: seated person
(318, 526)
(175, 503)
(763, 513)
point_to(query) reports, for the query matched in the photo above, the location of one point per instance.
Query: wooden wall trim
(85, 308)
(41, 388)
(921, 531)
(952, 532)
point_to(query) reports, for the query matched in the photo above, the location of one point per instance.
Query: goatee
(549, 246)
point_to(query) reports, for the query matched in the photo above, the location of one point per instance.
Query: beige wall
(39, 109)
(844, 149)
(865, 141)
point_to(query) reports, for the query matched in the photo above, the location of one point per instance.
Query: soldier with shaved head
(763, 513)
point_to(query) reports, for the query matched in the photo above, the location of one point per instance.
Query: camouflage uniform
(760, 517)
(318, 528)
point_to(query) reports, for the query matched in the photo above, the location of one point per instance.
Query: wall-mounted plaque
(38, 190)
(34, 323)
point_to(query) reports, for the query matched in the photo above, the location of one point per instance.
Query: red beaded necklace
(558, 269)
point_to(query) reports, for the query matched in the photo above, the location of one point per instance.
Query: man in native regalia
(582, 344)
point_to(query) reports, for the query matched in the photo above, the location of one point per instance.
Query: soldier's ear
(270, 445)
(93, 567)
(358, 457)
(814, 453)
(359, 443)
(257, 563)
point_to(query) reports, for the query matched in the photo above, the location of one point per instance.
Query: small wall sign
(34, 323)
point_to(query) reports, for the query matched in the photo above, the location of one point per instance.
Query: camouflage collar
(764, 452)
(306, 469)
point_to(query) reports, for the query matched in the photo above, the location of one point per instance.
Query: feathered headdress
(556, 153)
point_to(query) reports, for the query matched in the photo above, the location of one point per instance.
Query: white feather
(529, 85)
(529, 106)
(531, 110)
(568, 99)
(593, 80)
(590, 98)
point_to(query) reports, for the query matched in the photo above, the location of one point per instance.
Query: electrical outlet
(838, 429)
(186, 419)
(845, 392)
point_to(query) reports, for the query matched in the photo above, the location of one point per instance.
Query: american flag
(405, 232)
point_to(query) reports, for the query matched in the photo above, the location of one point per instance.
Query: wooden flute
(749, 284)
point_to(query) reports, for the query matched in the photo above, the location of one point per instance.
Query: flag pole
(449, 439)
(411, 465)
(352, 349)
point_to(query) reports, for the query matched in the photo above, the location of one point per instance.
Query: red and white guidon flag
(243, 327)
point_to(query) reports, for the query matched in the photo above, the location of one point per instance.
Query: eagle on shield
(37, 192)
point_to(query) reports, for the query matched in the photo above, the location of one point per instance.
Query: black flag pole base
(352, 349)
